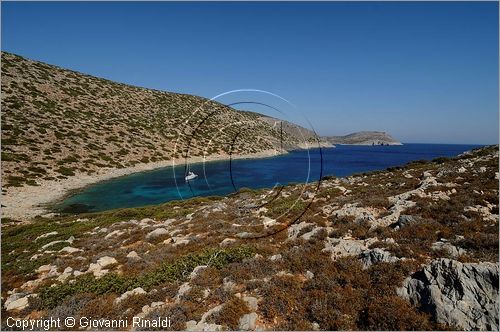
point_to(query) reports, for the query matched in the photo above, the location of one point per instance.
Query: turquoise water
(223, 177)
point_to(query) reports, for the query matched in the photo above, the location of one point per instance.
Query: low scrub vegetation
(178, 270)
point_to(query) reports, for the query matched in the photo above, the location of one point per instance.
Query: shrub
(65, 171)
(168, 272)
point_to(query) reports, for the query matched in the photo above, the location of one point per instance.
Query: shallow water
(224, 177)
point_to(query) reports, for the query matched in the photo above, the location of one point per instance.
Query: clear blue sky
(424, 72)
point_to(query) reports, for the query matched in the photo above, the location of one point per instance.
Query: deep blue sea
(223, 177)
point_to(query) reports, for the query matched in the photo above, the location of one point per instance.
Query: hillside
(58, 123)
(308, 137)
(364, 138)
(409, 248)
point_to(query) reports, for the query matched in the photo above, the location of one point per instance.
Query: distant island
(364, 138)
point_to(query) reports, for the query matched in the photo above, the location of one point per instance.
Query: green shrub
(65, 171)
(167, 272)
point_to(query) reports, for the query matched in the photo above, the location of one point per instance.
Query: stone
(449, 248)
(268, 222)
(157, 304)
(183, 289)
(360, 214)
(309, 235)
(197, 270)
(295, 229)
(44, 268)
(210, 312)
(70, 250)
(404, 220)
(374, 256)
(13, 296)
(63, 277)
(133, 255)
(190, 326)
(347, 247)
(426, 175)
(106, 260)
(251, 302)
(135, 291)
(181, 242)
(276, 257)
(248, 322)
(228, 285)
(46, 235)
(462, 295)
(226, 242)
(309, 275)
(245, 235)
(45, 246)
(156, 233)
(97, 268)
(17, 304)
(114, 233)
(462, 170)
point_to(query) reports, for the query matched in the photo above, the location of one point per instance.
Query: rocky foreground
(410, 248)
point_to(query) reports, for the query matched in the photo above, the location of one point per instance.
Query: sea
(228, 176)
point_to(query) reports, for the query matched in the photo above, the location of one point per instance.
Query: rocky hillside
(409, 248)
(364, 138)
(308, 137)
(57, 123)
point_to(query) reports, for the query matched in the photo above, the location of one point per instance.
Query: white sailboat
(191, 176)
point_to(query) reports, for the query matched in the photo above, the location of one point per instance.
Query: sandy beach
(27, 202)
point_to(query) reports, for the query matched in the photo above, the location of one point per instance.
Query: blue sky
(424, 72)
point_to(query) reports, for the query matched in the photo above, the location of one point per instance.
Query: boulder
(404, 220)
(17, 304)
(377, 255)
(347, 247)
(461, 295)
(106, 260)
(156, 233)
(133, 255)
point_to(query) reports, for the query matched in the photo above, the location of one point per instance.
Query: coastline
(25, 203)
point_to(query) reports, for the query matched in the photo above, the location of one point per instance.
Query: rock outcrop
(462, 295)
